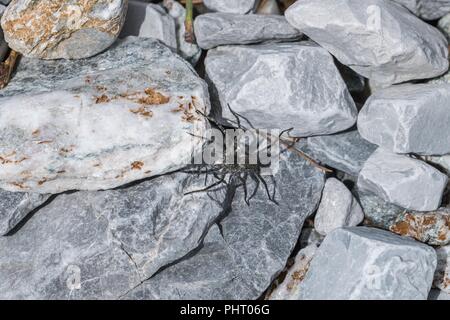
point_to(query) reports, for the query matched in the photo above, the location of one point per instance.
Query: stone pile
(110, 103)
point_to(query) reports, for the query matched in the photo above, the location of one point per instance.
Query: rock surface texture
(99, 123)
(280, 86)
(241, 257)
(149, 20)
(379, 39)
(401, 180)
(231, 6)
(366, 263)
(338, 208)
(53, 29)
(427, 9)
(100, 245)
(410, 118)
(216, 29)
(442, 276)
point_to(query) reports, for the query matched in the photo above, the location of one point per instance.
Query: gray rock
(217, 29)
(427, 227)
(410, 118)
(99, 123)
(436, 294)
(369, 264)
(346, 151)
(400, 180)
(379, 39)
(280, 86)
(54, 29)
(231, 6)
(442, 275)
(241, 259)
(15, 206)
(444, 25)
(378, 212)
(338, 208)
(189, 51)
(427, 9)
(3, 45)
(100, 245)
(149, 20)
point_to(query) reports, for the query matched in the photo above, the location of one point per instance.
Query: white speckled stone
(102, 122)
(280, 85)
(338, 208)
(404, 181)
(379, 39)
(410, 118)
(54, 29)
(361, 263)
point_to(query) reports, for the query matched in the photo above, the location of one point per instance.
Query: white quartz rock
(360, 263)
(338, 208)
(442, 275)
(149, 20)
(404, 181)
(379, 39)
(231, 6)
(102, 122)
(410, 118)
(280, 85)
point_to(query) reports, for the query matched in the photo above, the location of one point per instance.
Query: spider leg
(257, 184)
(205, 189)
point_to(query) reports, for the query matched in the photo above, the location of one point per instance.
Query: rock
(280, 86)
(217, 29)
(427, 9)
(149, 20)
(15, 206)
(288, 289)
(231, 6)
(100, 123)
(377, 212)
(100, 245)
(54, 29)
(400, 180)
(436, 294)
(377, 38)
(444, 26)
(338, 208)
(432, 228)
(442, 162)
(360, 263)
(190, 52)
(241, 258)
(442, 275)
(346, 151)
(409, 118)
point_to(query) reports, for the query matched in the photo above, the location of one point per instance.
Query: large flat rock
(280, 85)
(101, 244)
(409, 118)
(99, 123)
(379, 39)
(361, 263)
(250, 246)
(231, 6)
